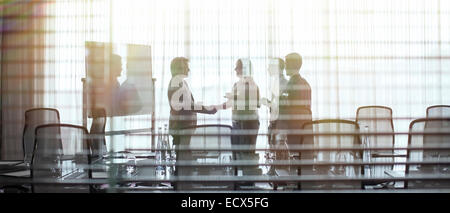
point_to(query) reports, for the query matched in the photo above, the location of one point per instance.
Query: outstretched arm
(204, 109)
(227, 104)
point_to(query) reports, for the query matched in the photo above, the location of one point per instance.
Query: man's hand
(211, 109)
(218, 107)
(265, 101)
(229, 95)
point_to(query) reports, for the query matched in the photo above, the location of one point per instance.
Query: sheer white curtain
(71, 23)
(160, 25)
(21, 70)
(355, 52)
(68, 25)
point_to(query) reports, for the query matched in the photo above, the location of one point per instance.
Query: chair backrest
(97, 133)
(292, 120)
(33, 118)
(207, 136)
(61, 153)
(198, 139)
(377, 119)
(428, 133)
(331, 135)
(438, 111)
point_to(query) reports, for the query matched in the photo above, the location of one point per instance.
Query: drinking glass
(228, 169)
(131, 164)
(367, 152)
(56, 171)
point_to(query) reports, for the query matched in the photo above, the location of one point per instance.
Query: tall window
(355, 52)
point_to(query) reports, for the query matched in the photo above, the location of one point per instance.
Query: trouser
(183, 155)
(246, 140)
(277, 139)
(272, 128)
(271, 141)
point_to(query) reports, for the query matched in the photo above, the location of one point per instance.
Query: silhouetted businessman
(124, 98)
(278, 86)
(296, 96)
(105, 86)
(245, 102)
(183, 109)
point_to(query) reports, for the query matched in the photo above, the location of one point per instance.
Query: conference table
(139, 170)
(209, 166)
(130, 171)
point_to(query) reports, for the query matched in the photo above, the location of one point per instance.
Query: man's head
(116, 66)
(179, 66)
(243, 67)
(238, 67)
(293, 63)
(280, 66)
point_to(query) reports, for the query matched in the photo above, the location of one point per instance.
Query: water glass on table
(130, 164)
(227, 160)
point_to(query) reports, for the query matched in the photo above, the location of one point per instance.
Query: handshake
(212, 109)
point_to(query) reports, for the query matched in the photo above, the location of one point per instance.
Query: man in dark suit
(183, 109)
(298, 91)
(295, 100)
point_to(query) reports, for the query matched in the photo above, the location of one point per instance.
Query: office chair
(294, 120)
(61, 153)
(330, 136)
(33, 118)
(377, 119)
(438, 111)
(428, 133)
(205, 143)
(285, 140)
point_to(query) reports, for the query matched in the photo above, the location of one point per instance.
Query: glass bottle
(159, 168)
(366, 144)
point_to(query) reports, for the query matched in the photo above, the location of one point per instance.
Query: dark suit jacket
(295, 101)
(181, 118)
(298, 92)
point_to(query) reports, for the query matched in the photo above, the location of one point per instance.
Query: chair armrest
(294, 156)
(14, 189)
(387, 155)
(394, 174)
(282, 172)
(67, 157)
